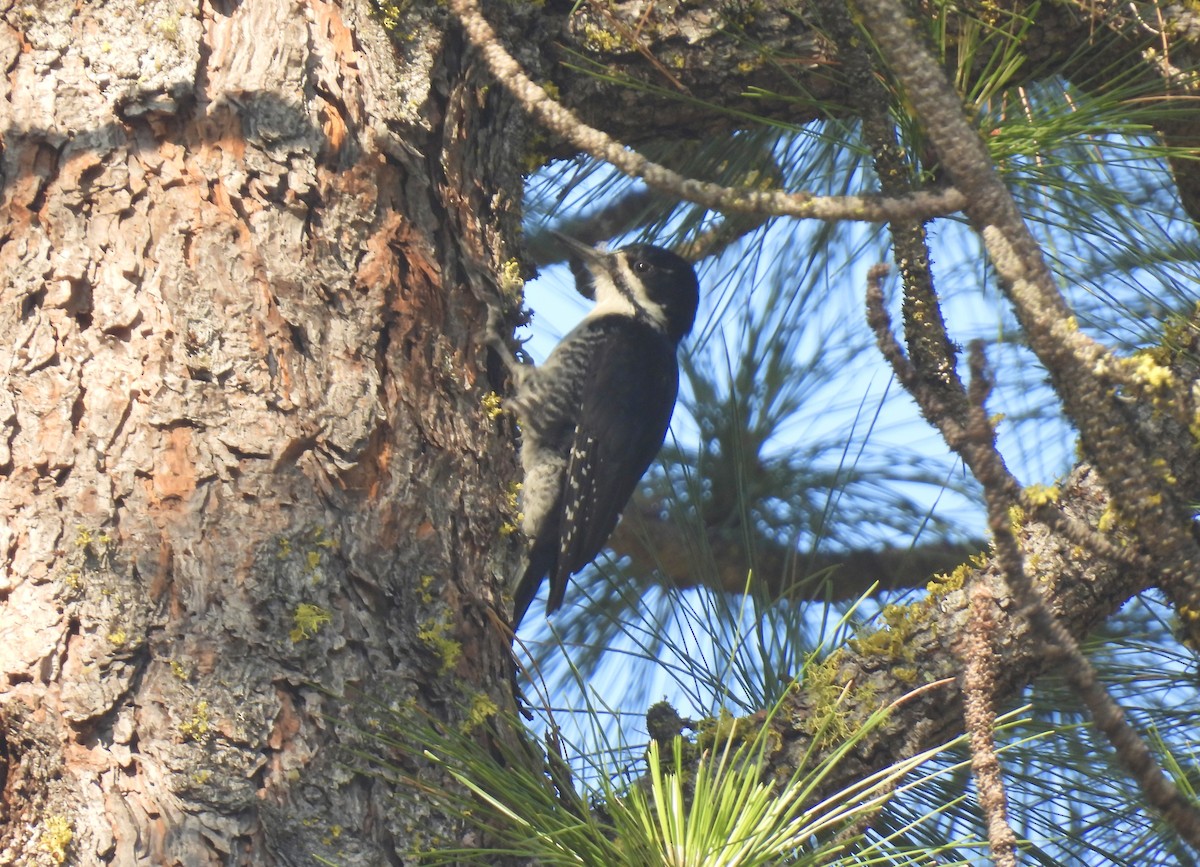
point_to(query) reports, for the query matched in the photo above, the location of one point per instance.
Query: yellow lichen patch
(482, 710)
(1041, 495)
(1164, 470)
(55, 838)
(940, 585)
(1180, 331)
(1111, 519)
(830, 721)
(512, 502)
(321, 541)
(198, 725)
(1145, 370)
(1186, 628)
(599, 40)
(943, 584)
(724, 728)
(391, 14)
(169, 27)
(891, 641)
(491, 405)
(433, 634)
(96, 543)
(511, 281)
(308, 620)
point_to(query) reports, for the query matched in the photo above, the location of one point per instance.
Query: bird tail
(542, 560)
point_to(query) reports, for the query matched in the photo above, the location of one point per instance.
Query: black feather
(624, 410)
(624, 419)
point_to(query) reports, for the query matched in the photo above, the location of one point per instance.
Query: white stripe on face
(637, 290)
(609, 299)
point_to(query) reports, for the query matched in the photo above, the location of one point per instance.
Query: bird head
(646, 281)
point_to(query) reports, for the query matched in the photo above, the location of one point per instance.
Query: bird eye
(641, 266)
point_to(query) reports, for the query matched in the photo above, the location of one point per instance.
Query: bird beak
(581, 257)
(578, 249)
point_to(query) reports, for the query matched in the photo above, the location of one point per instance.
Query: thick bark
(247, 468)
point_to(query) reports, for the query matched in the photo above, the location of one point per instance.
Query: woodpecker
(595, 413)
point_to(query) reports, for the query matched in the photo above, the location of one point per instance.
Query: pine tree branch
(661, 550)
(728, 71)
(1082, 591)
(1085, 375)
(979, 685)
(729, 200)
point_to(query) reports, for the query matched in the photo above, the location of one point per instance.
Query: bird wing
(623, 419)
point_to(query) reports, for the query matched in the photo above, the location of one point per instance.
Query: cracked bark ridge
(245, 472)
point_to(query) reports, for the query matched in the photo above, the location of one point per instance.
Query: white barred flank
(540, 491)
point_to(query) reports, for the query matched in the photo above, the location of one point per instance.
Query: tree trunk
(248, 471)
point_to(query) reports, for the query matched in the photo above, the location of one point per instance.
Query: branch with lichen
(919, 644)
(973, 438)
(924, 326)
(1132, 751)
(1089, 379)
(979, 712)
(562, 122)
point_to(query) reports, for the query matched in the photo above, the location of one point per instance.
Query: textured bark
(247, 472)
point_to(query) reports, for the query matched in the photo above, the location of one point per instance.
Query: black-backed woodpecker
(595, 413)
